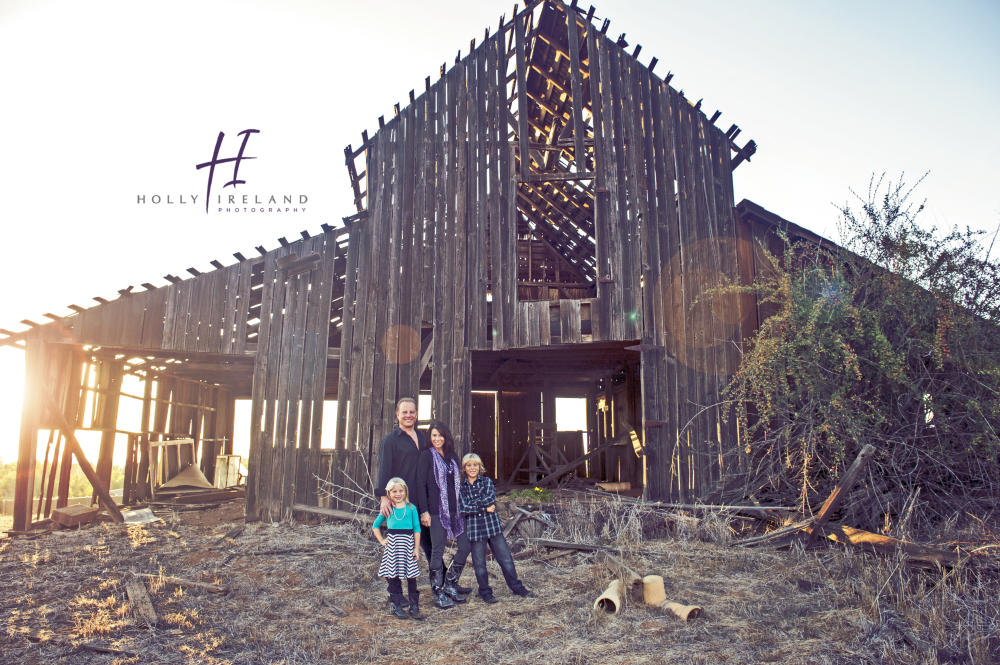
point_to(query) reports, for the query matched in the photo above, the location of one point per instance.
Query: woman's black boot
(451, 577)
(441, 599)
(449, 587)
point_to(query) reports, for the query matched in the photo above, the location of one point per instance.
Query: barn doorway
(571, 400)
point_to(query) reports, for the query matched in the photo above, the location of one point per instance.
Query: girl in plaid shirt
(477, 503)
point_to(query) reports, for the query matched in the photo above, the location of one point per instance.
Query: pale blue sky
(108, 100)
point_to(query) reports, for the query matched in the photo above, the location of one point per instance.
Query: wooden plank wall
(665, 234)
(439, 186)
(290, 380)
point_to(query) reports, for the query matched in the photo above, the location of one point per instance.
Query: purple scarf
(454, 526)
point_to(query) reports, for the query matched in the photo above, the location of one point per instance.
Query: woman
(437, 489)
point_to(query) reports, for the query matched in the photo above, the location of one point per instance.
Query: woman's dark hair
(449, 441)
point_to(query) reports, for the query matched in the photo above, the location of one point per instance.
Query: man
(397, 454)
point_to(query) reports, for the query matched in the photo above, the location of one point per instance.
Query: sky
(110, 104)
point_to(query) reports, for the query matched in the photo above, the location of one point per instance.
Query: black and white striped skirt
(397, 559)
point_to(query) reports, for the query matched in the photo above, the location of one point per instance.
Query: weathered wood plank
(243, 307)
(372, 377)
(603, 156)
(344, 382)
(459, 349)
(135, 309)
(576, 86)
(523, 138)
(478, 331)
(569, 321)
(405, 367)
(620, 244)
(219, 312)
(152, 321)
(389, 334)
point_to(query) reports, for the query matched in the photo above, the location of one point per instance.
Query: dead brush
(911, 615)
(715, 527)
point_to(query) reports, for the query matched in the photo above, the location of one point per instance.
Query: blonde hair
(398, 481)
(473, 457)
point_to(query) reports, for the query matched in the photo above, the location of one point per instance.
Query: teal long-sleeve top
(401, 518)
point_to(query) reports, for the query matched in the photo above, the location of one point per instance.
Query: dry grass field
(64, 599)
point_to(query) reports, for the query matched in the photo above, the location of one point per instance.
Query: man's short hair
(402, 400)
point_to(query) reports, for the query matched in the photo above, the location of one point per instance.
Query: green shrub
(891, 340)
(537, 494)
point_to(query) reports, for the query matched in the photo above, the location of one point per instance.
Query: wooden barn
(538, 223)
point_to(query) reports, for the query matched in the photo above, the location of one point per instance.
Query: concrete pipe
(685, 612)
(615, 487)
(611, 600)
(652, 590)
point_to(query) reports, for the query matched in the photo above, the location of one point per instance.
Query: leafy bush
(891, 339)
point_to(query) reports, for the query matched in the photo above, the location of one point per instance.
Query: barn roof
(556, 208)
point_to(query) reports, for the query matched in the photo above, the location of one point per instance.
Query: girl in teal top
(402, 550)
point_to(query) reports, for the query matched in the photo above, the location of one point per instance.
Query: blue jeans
(498, 544)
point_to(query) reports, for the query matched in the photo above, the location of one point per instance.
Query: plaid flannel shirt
(473, 501)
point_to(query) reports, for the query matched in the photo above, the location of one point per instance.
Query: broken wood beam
(926, 555)
(619, 569)
(837, 495)
(510, 525)
(566, 468)
(139, 600)
(71, 516)
(73, 446)
(331, 512)
(564, 545)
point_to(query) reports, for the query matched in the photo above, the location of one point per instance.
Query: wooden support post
(52, 476)
(45, 468)
(143, 477)
(34, 356)
(110, 385)
(80, 401)
(130, 469)
(74, 446)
